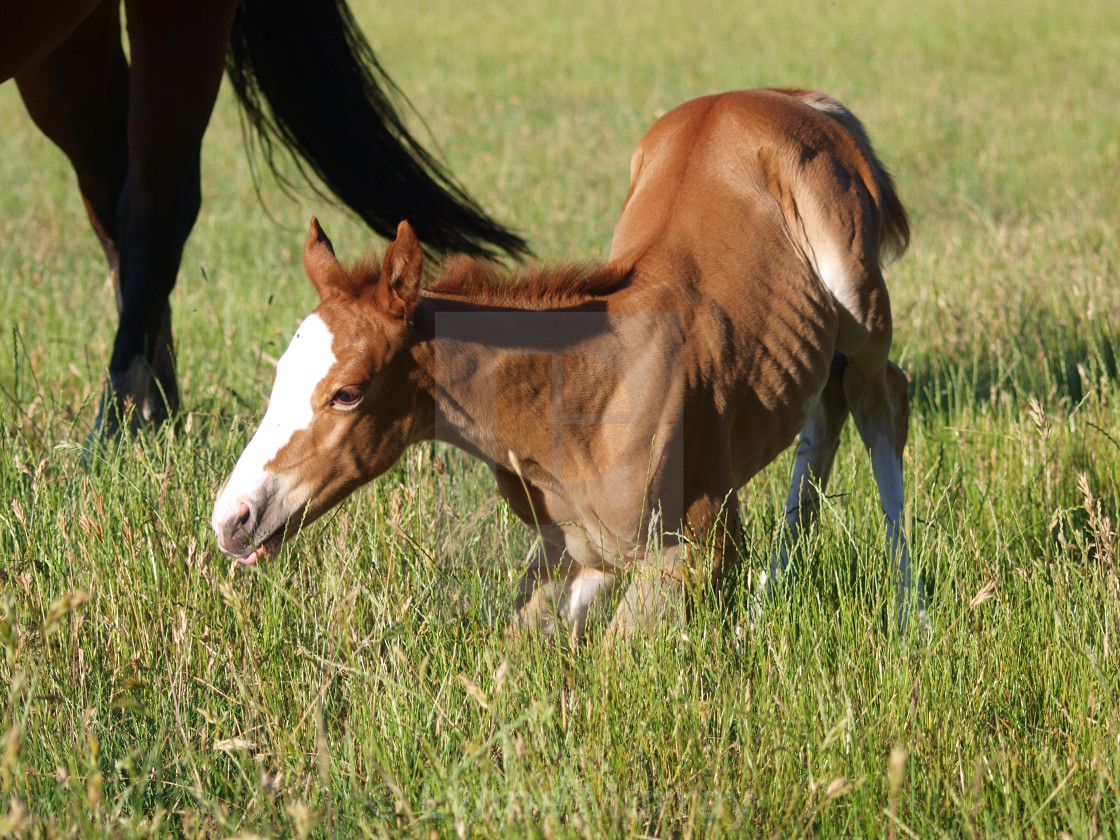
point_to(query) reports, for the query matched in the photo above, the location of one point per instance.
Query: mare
(619, 406)
(132, 129)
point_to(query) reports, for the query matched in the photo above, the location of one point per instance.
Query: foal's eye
(347, 397)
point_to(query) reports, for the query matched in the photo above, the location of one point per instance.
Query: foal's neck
(487, 344)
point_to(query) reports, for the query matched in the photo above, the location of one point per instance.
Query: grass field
(364, 683)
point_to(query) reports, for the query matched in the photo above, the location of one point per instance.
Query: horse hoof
(140, 397)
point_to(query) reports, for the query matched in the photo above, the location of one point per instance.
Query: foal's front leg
(656, 589)
(540, 589)
(556, 590)
(683, 565)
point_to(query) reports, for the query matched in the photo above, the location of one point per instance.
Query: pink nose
(236, 531)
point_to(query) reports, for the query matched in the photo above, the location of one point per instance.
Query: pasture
(364, 682)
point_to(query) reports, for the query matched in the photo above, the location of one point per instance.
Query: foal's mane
(539, 287)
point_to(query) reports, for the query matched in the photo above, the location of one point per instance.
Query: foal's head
(342, 408)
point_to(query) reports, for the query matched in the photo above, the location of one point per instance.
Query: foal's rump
(894, 229)
(744, 161)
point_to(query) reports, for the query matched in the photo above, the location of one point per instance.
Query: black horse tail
(306, 77)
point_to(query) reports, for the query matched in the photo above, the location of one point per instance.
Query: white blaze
(303, 366)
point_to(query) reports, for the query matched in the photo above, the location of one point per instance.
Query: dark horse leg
(78, 96)
(178, 51)
(134, 138)
(30, 31)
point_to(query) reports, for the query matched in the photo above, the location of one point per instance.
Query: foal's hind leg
(875, 390)
(878, 396)
(816, 451)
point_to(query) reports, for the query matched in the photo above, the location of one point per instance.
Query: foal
(620, 407)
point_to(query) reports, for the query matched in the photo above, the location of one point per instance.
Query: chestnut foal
(621, 406)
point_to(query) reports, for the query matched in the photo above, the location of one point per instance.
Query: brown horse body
(620, 407)
(132, 128)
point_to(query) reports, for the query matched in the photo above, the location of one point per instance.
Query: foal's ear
(400, 273)
(321, 264)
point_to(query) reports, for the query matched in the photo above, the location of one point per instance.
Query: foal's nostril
(237, 529)
(246, 520)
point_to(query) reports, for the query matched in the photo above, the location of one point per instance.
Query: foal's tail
(306, 77)
(894, 235)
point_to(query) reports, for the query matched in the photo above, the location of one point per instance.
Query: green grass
(364, 682)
